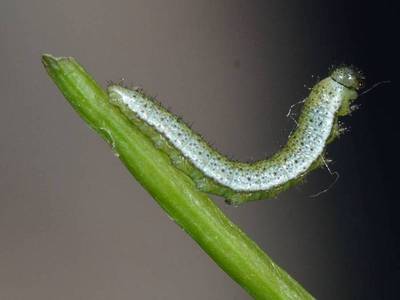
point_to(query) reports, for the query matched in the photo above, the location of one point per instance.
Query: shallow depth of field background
(75, 225)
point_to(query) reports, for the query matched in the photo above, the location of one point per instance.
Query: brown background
(75, 225)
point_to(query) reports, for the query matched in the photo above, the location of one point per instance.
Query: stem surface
(191, 209)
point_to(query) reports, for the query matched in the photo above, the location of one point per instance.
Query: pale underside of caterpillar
(240, 182)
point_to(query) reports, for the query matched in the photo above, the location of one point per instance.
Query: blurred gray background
(75, 225)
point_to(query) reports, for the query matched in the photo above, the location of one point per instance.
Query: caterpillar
(240, 182)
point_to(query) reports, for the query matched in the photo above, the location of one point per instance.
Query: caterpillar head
(353, 80)
(349, 77)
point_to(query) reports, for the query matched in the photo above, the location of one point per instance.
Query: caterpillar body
(240, 182)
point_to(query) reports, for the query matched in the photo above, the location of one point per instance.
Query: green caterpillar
(240, 182)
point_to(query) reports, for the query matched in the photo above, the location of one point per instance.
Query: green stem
(191, 209)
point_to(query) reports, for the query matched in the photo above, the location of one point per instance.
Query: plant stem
(191, 209)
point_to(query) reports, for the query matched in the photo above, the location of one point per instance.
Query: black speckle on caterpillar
(240, 182)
